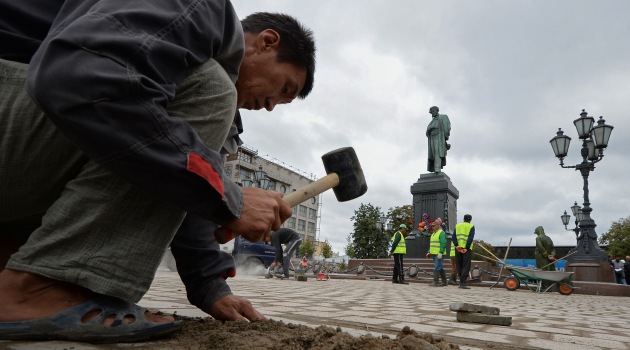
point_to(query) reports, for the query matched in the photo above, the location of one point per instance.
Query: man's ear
(267, 39)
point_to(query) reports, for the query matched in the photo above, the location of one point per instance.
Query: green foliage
(343, 266)
(617, 238)
(349, 247)
(326, 250)
(401, 215)
(307, 248)
(367, 241)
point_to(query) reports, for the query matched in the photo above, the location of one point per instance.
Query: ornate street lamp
(260, 173)
(577, 212)
(587, 254)
(381, 225)
(262, 180)
(565, 219)
(265, 183)
(383, 222)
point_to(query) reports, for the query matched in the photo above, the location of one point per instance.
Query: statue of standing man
(438, 132)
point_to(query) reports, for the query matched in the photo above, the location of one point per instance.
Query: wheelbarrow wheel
(565, 288)
(512, 283)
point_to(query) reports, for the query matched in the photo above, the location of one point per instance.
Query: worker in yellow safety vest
(398, 250)
(437, 249)
(463, 237)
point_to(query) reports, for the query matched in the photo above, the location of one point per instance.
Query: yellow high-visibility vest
(462, 230)
(401, 248)
(434, 246)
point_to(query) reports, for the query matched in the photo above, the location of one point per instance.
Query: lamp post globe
(601, 133)
(583, 125)
(560, 144)
(575, 209)
(383, 221)
(565, 219)
(260, 173)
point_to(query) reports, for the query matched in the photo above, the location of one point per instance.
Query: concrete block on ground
(472, 308)
(474, 317)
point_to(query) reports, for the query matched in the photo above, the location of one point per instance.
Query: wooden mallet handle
(224, 234)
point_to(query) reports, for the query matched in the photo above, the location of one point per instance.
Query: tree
(368, 242)
(617, 238)
(401, 215)
(307, 248)
(350, 247)
(343, 267)
(326, 250)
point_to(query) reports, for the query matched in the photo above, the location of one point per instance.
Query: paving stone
(466, 307)
(473, 317)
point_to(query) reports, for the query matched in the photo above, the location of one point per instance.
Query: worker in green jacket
(437, 249)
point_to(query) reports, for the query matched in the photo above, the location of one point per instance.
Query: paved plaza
(539, 321)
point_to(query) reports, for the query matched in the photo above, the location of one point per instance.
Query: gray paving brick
(466, 307)
(473, 317)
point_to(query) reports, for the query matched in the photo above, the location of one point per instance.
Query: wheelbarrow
(541, 281)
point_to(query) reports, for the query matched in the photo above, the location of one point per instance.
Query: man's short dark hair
(467, 217)
(297, 45)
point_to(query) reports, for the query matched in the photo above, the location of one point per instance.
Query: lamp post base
(592, 271)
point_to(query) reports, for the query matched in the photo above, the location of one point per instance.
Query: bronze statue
(545, 251)
(438, 132)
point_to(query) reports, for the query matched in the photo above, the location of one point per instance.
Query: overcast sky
(508, 75)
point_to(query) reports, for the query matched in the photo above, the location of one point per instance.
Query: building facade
(246, 168)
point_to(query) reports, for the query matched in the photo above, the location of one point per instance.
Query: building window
(312, 214)
(283, 188)
(244, 157)
(311, 227)
(301, 225)
(246, 174)
(313, 200)
(303, 210)
(291, 223)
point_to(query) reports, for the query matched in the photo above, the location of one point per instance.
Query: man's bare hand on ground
(263, 212)
(234, 308)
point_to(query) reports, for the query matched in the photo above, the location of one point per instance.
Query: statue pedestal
(432, 194)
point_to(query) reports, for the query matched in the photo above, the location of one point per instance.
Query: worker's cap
(402, 226)
(467, 217)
